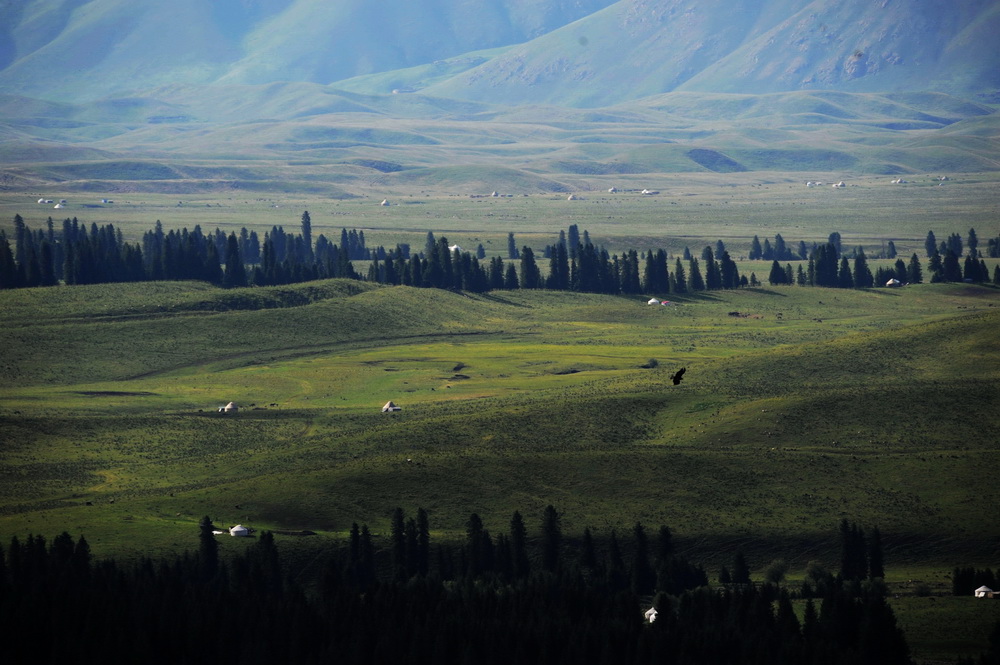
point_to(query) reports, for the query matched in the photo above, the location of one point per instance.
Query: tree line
(77, 254)
(501, 598)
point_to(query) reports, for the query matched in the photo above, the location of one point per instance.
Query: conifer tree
(862, 274)
(8, 270)
(208, 549)
(235, 275)
(930, 244)
(398, 539)
(914, 274)
(519, 546)
(680, 279)
(307, 237)
(950, 269)
(643, 576)
(777, 274)
(530, 276)
(741, 571)
(844, 278)
(512, 252)
(695, 280)
(551, 539)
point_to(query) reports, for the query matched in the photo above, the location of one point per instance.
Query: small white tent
(650, 614)
(893, 283)
(390, 406)
(653, 301)
(239, 531)
(983, 592)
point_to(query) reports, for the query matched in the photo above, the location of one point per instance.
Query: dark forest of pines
(498, 599)
(76, 254)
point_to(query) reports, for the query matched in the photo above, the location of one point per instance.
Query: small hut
(390, 406)
(229, 408)
(650, 615)
(894, 283)
(239, 531)
(984, 592)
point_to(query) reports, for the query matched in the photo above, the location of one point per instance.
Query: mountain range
(91, 80)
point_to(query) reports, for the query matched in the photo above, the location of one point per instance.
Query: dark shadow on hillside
(766, 292)
(502, 301)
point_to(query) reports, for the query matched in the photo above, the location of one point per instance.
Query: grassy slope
(874, 406)
(744, 449)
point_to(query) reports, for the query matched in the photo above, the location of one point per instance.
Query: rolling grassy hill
(872, 406)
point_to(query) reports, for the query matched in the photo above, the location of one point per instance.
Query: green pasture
(510, 400)
(691, 210)
(799, 407)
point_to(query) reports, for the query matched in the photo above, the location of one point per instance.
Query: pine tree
(834, 240)
(951, 271)
(235, 275)
(8, 270)
(695, 281)
(643, 576)
(573, 240)
(398, 539)
(510, 281)
(475, 537)
(755, 250)
(208, 549)
(730, 275)
(862, 274)
(512, 252)
(844, 278)
(307, 237)
(519, 546)
(680, 280)
(777, 275)
(530, 277)
(930, 244)
(423, 542)
(551, 539)
(741, 571)
(902, 274)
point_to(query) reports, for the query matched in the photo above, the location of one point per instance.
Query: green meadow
(799, 406)
(810, 406)
(690, 210)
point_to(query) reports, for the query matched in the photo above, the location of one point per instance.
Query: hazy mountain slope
(892, 45)
(86, 49)
(637, 48)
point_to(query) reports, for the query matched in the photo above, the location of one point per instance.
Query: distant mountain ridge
(637, 48)
(564, 52)
(455, 95)
(86, 49)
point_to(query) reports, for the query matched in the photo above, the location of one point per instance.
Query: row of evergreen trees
(965, 580)
(508, 598)
(76, 255)
(955, 246)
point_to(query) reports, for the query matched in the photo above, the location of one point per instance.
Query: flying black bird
(676, 378)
